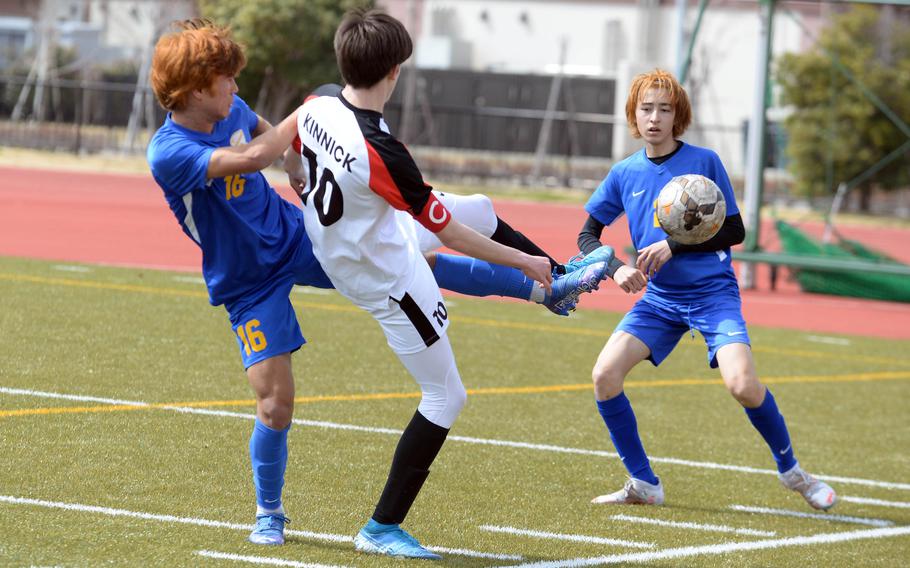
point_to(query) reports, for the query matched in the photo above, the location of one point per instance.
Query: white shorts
(475, 211)
(417, 318)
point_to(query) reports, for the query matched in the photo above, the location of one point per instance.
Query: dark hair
(368, 44)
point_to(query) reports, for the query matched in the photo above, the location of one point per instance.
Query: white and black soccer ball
(691, 209)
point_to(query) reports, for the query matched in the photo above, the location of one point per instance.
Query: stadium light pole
(755, 148)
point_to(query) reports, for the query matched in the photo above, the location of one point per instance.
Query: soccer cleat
(391, 540)
(817, 493)
(269, 529)
(602, 254)
(567, 288)
(634, 492)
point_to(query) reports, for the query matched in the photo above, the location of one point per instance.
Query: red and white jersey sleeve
(357, 176)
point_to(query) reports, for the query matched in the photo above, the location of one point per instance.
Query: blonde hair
(661, 80)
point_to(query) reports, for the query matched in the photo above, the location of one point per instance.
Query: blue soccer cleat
(269, 529)
(580, 260)
(567, 288)
(391, 540)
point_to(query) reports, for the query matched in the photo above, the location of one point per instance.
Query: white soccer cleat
(817, 493)
(634, 492)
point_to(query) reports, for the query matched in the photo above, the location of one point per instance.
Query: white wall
(724, 58)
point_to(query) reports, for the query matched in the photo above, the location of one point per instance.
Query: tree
(836, 132)
(288, 47)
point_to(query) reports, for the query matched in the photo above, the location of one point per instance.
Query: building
(99, 31)
(617, 39)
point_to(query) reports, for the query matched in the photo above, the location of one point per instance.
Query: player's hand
(652, 257)
(630, 279)
(538, 268)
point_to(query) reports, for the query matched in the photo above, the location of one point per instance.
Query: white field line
(693, 526)
(190, 279)
(71, 268)
(263, 560)
(73, 397)
(879, 502)
(819, 516)
(468, 440)
(716, 549)
(312, 291)
(568, 537)
(828, 340)
(474, 553)
(309, 535)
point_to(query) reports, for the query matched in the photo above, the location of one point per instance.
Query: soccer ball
(691, 209)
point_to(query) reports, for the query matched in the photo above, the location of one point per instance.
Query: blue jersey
(632, 187)
(245, 229)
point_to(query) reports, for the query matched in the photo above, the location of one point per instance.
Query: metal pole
(410, 81)
(543, 139)
(45, 53)
(680, 37)
(755, 152)
(684, 67)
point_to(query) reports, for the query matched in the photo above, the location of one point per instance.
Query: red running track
(121, 219)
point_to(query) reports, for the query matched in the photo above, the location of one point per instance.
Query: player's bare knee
(746, 390)
(608, 381)
(276, 412)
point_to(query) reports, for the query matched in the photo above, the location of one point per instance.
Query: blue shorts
(263, 321)
(660, 324)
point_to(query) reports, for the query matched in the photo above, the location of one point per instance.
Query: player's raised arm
(258, 154)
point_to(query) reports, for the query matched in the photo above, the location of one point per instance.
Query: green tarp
(858, 284)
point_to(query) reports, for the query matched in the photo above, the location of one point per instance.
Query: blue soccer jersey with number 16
(245, 229)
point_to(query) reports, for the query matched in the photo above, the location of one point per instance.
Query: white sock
(538, 294)
(263, 511)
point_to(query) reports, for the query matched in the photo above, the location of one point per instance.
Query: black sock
(506, 235)
(417, 448)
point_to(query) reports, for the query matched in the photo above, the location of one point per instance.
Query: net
(858, 284)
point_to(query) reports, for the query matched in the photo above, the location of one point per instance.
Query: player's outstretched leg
(474, 277)
(567, 288)
(580, 260)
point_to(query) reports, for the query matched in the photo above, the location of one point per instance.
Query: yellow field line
(461, 319)
(852, 377)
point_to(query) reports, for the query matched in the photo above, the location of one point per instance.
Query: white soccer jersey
(357, 176)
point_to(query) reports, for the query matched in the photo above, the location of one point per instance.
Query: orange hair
(190, 58)
(659, 79)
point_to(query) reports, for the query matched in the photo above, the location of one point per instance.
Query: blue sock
(474, 277)
(620, 420)
(269, 456)
(373, 527)
(769, 422)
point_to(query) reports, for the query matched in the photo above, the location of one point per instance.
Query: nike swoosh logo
(785, 450)
(637, 193)
(271, 500)
(732, 333)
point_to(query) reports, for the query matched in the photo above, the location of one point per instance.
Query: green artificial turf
(144, 336)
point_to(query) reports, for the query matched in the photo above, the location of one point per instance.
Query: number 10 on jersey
(327, 199)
